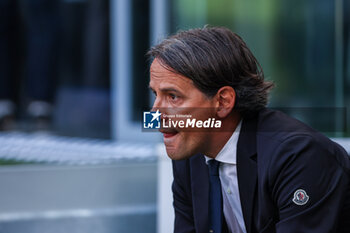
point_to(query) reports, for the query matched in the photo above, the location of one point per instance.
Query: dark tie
(215, 198)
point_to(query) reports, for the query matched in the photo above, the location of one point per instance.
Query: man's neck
(220, 138)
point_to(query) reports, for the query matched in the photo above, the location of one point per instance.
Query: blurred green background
(97, 76)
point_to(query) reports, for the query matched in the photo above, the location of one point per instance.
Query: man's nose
(155, 105)
(159, 105)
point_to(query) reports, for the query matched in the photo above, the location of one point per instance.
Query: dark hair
(213, 57)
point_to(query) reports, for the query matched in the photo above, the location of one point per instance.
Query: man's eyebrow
(169, 89)
(165, 89)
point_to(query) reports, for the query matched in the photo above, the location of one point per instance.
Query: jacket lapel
(200, 192)
(247, 169)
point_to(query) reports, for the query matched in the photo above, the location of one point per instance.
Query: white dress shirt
(229, 183)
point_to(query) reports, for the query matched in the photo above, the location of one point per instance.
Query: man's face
(176, 94)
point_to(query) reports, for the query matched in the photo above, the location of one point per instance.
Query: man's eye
(173, 97)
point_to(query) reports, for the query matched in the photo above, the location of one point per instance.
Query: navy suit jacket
(276, 156)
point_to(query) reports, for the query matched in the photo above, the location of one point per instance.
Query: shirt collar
(229, 152)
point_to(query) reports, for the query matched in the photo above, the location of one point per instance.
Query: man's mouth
(168, 133)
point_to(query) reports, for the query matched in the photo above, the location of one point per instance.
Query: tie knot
(213, 167)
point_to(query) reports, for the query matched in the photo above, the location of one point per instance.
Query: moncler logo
(300, 197)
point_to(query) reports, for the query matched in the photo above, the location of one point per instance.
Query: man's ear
(226, 99)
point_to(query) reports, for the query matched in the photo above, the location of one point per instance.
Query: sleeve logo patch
(300, 197)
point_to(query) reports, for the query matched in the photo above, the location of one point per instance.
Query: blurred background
(74, 83)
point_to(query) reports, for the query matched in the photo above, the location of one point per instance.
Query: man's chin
(176, 155)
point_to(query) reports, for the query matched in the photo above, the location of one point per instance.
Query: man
(263, 171)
